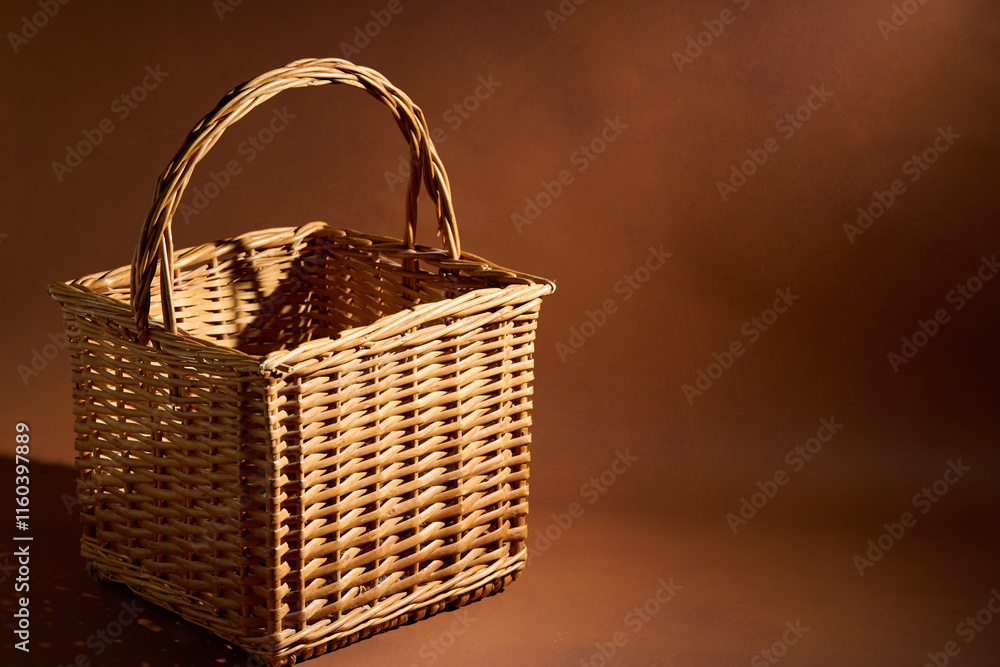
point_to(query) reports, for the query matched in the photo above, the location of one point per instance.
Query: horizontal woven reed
(325, 435)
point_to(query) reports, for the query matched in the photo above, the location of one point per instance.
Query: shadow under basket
(333, 443)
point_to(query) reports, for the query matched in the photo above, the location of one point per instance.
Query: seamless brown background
(556, 85)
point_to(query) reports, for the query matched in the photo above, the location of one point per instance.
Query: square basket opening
(259, 299)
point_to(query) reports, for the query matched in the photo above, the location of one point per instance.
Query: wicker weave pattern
(326, 437)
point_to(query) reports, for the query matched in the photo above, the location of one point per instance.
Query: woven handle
(156, 239)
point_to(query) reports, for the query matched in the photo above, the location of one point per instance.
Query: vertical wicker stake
(325, 434)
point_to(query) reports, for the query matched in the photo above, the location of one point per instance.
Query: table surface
(645, 587)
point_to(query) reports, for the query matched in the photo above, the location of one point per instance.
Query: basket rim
(525, 288)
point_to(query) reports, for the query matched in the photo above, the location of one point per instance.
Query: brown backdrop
(599, 142)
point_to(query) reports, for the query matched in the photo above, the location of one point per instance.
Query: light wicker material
(326, 436)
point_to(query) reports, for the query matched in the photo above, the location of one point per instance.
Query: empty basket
(326, 433)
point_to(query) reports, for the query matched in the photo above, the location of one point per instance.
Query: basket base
(107, 567)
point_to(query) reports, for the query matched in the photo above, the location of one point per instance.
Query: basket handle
(156, 239)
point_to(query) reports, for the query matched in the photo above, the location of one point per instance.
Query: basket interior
(261, 298)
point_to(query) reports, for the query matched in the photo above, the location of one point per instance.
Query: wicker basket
(326, 435)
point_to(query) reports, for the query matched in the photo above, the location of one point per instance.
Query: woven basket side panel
(410, 465)
(171, 471)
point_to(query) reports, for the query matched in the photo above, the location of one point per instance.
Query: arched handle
(156, 240)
